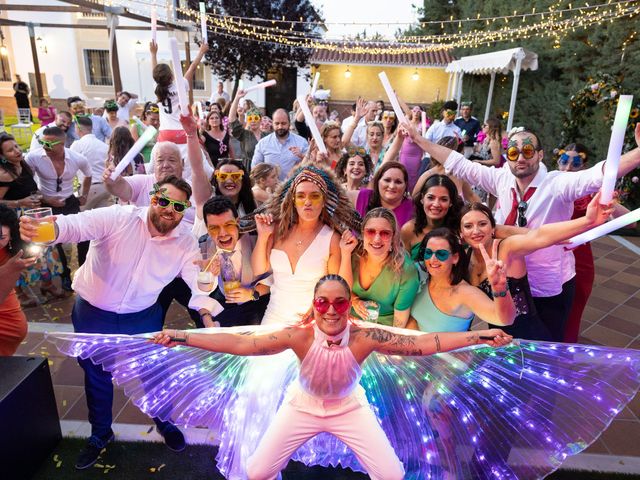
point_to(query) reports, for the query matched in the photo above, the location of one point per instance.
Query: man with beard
(530, 196)
(63, 121)
(78, 108)
(134, 253)
(281, 147)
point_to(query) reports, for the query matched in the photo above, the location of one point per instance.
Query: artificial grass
(135, 460)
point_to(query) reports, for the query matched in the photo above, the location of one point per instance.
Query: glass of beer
(46, 232)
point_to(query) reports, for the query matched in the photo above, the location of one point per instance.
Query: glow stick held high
(268, 83)
(392, 97)
(315, 84)
(154, 23)
(145, 138)
(311, 123)
(203, 22)
(424, 122)
(178, 77)
(604, 229)
(615, 148)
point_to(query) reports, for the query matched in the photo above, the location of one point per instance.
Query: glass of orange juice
(46, 232)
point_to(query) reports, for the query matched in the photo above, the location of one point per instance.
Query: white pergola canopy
(504, 61)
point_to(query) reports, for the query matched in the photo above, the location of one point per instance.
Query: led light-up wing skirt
(477, 413)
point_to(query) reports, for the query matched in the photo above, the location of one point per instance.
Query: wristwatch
(255, 295)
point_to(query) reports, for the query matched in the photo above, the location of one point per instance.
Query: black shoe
(66, 284)
(173, 438)
(91, 452)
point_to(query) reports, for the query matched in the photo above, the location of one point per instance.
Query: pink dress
(411, 156)
(403, 212)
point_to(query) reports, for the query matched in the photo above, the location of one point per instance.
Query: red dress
(585, 274)
(13, 323)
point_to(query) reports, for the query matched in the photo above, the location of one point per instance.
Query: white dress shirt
(141, 187)
(359, 137)
(95, 151)
(46, 175)
(127, 268)
(552, 202)
(442, 129)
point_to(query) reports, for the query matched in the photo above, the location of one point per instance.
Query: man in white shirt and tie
(134, 253)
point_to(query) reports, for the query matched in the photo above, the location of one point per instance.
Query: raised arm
(260, 255)
(631, 159)
(202, 190)
(233, 343)
(233, 110)
(552, 233)
(204, 48)
(153, 49)
(118, 187)
(361, 110)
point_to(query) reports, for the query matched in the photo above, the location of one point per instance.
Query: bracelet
(500, 294)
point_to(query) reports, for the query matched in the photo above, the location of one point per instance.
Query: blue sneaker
(91, 452)
(173, 437)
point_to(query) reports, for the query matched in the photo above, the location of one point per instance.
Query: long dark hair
(9, 218)
(8, 166)
(120, 143)
(245, 196)
(460, 270)
(478, 207)
(163, 76)
(452, 219)
(375, 201)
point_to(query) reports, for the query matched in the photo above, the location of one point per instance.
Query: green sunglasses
(49, 145)
(441, 255)
(178, 206)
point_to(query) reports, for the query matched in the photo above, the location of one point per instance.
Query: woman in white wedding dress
(303, 234)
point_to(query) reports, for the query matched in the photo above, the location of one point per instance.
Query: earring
(3, 160)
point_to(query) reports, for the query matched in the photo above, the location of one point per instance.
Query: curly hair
(452, 217)
(396, 256)
(341, 166)
(9, 218)
(245, 196)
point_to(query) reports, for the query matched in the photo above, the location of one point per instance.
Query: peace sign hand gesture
(496, 269)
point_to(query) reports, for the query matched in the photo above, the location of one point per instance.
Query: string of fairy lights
(556, 22)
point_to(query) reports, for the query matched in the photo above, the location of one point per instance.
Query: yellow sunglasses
(253, 118)
(235, 177)
(315, 198)
(214, 230)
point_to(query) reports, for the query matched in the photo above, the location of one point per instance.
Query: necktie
(513, 214)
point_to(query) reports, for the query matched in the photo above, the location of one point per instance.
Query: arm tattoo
(438, 348)
(391, 343)
(472, 338)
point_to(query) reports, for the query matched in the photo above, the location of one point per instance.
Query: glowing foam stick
(203, 22)
(199, 110)
(311, 123)
(268, 83)
(424, 123)
(154, 23)
(315, 84)
(178, 77)
(604, 229)
(615, 148)
(392, 97)
(148, 134)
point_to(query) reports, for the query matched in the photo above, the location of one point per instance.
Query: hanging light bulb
(347, 73)
(416, 75)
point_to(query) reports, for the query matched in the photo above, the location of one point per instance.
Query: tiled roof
(439, 58)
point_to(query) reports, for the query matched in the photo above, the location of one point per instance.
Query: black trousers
(235, 315)
(180, 291)
(554, 311)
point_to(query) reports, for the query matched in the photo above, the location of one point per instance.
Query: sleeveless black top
(20, 187)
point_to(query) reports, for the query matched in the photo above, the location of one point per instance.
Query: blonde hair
(396, 256)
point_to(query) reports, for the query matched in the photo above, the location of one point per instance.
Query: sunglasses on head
(316, 198)
(48, 145)
(522, 208)
(215, 230)
(152, 109)
(235, 177)
(386, 115)
(178, 206)
(253, 118)
(340, 305)
(576, 160)
(353, 151)
(385, 235)
(527, 151)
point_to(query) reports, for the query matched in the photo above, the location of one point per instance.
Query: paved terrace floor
(612, 318)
